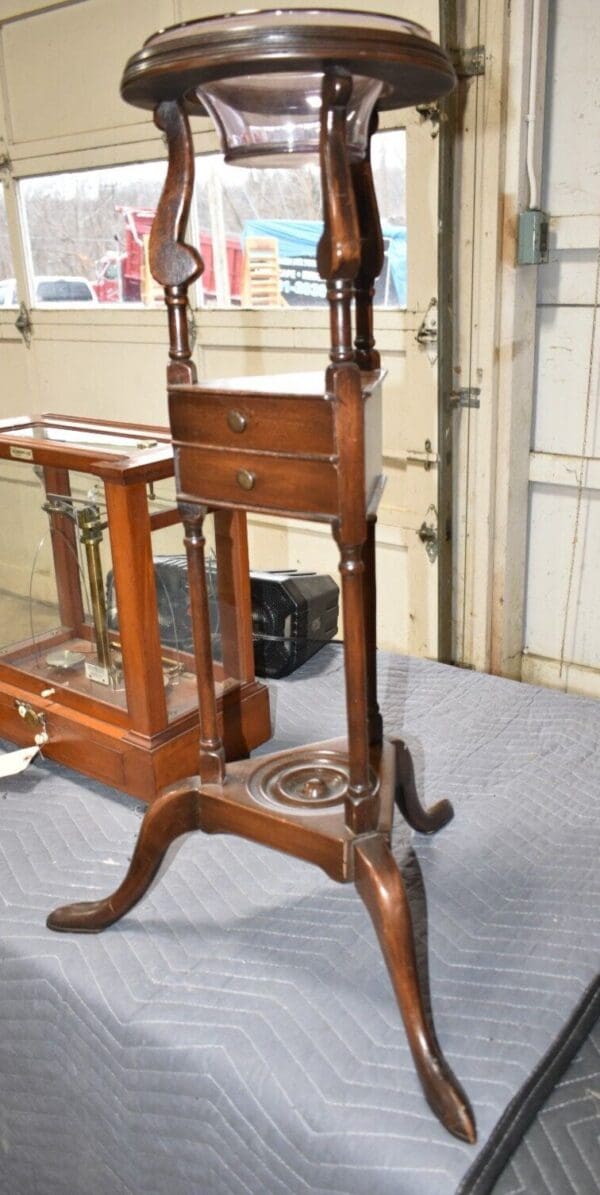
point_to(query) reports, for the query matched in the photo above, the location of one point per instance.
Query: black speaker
(293, 613)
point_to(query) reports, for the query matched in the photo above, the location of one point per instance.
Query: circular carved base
(314, 781)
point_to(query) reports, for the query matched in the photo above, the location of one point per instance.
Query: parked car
(8, 292)
(70, 290)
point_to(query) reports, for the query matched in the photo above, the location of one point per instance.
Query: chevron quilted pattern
(237, 1033)
(560, 1154)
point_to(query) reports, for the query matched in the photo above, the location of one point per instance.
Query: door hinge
(427, 334)
(428, 534)
(24, 325)
(428, 328)
(430, 112)
(468, 62)
(467, 396)
(5, 164)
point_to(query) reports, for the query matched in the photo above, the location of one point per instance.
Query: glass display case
(96, 651)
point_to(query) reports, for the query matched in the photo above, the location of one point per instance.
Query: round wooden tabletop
(177, 61)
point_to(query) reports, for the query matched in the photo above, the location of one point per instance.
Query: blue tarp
(299, 238)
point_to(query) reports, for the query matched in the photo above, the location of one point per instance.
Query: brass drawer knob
(236, 421)
(246, 479)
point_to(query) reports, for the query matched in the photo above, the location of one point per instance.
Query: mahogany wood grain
(164, 518)
(338, 251)
(374, 719)
(239, 446)
(426, 821)
(300, 424)
(211, 754)
(413, 69)
(380, 885)
(307, 488)
(371, 257)
(233, 591)
(93, 727)
(173, 263)
(325, 840)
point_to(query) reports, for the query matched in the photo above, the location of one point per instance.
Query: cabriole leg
(381, 887)
(172, 815)
(426, 821)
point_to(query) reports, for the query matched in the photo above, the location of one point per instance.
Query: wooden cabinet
(96, 648)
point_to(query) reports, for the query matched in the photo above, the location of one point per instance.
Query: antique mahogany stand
(301, 446)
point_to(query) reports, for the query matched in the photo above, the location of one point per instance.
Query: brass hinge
(468, 62)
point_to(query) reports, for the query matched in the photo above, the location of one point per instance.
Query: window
(258, 230)
(88, 234)
(8, 292)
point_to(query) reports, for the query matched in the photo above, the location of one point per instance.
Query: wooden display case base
(139, 766)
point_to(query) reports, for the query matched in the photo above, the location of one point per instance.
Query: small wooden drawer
(257, 481)
(301, 424)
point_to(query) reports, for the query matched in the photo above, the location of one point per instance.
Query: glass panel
(8, 288)
(121, 444)
(259, 230)
(54, 554)
(88, 235)
(60, 623)
(21, 538)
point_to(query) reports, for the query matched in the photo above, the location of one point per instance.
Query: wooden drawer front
(295, 485)
(299, 425)
(71, 740)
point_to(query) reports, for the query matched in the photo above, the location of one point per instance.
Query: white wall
(562, 610)
(528, 510)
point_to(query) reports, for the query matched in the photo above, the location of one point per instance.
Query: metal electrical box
(532, 249)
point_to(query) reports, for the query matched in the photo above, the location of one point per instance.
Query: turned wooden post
(175, 264)
(370, 615)
(338, 261)
(211, 762)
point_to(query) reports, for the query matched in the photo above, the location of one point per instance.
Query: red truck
(120, 272)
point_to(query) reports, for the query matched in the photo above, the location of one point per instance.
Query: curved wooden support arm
(338, 253)
(173, 263)
(371, 257)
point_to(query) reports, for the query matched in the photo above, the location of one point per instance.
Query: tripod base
(294, 802)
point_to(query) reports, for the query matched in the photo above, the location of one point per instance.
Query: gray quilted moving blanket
(237, 1034)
